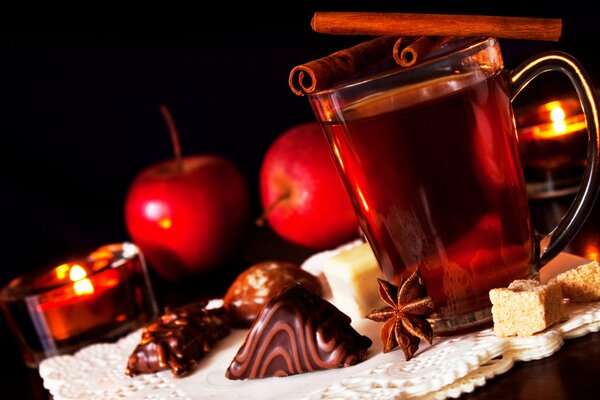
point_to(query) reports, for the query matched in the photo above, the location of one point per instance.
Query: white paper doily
(449, 367)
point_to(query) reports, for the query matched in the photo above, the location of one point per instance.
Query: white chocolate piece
(314, 264)
(352, 276)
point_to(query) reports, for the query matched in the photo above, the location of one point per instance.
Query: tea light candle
(553, 120)
(98, 297)
(553, 145)
(83, 303)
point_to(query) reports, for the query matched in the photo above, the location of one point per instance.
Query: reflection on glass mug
(429, 156)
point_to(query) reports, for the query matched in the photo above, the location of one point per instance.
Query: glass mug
(429, 157)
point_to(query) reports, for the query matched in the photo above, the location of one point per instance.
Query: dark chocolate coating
(255, 286)
(178, 339)
(296, 332)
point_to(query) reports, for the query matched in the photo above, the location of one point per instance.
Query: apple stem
(260, 221)
(174, 136)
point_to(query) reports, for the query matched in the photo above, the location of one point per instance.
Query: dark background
(80, 89)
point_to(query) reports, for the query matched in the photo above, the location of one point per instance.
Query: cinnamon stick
(377, 24)
(417, 50)
(324, 72)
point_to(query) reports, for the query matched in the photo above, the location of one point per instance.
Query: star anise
(406, 316)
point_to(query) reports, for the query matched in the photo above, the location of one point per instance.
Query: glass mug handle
(586, 196)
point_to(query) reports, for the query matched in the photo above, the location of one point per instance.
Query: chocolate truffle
(178, 339)
(255, 286)
(296, 332)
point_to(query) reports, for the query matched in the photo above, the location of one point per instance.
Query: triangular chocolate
(296, 332)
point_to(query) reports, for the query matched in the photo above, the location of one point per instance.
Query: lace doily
(449, 367)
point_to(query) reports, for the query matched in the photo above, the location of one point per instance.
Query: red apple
(302, 193)
(187, 215)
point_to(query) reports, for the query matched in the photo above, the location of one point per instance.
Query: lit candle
(82, 303)
(98, 297)
(553, 145)
(553, 120)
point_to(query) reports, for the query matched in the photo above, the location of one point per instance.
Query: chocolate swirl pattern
(296, 332)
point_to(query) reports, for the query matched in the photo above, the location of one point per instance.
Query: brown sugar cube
(581, 284)
(525, 307)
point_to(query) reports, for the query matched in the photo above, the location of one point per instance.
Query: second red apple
(302, 193)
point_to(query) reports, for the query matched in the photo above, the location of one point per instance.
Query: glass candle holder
(553, 145)
(99, 297)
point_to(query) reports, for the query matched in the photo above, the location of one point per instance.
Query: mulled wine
(437, 183)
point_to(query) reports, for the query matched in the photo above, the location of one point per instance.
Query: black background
(80, 91)
(80, 88)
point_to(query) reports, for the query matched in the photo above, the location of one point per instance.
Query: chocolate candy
(254, 287)
(296, 332)
(178, 339)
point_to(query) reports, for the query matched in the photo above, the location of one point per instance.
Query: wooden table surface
(572, 372)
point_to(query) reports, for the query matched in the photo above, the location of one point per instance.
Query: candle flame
(77, 272)
(560, 123)
(557, 115)
(81, 285)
